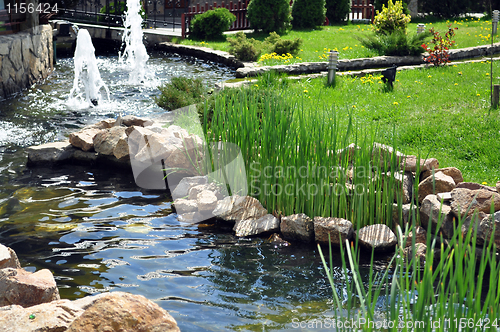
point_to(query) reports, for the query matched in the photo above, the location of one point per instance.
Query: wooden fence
(239, 10)
(361, 9)
(10, 22)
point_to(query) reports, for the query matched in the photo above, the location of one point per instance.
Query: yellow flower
(305, 91)
(395, 103)
(478, 95)
(459, 73)
(485, 183)
(256, 85)
(456, 83)
(353, 106)
(429, 76)
(487, 74)
(408, 96)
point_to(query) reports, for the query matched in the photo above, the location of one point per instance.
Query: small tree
(337, 10)
(269, 15)
(391, 18)
(308, 14)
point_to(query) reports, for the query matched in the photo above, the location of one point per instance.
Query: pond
(97, 231)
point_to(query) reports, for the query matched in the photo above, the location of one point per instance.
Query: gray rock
(84, 139)
(420, 235)
(445, 197)
(50, 153)
(183, 206)
(498, 187)
(348, 151)
(382, 156)
(409, 164)
(419, 253)
(408, 211)
(183, 187)
(87, 157)
(431, 211)
(297, 227)
(465, 202)
(403, 185)
(450, 171)
(132, 120)
(26, 289)
(206, 201)
(254, 226)
(486, 227)
(194, 191)
(8, 258)
(237, 208)
(377, 237)
(475, 186)
(473, 223)
(106, 140)
(104, 124)
(440, 183)
(121, 149)
(339, 230)
(156, 147)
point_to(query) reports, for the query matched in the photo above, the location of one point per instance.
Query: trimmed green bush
(180, 92)
(243, 48)
(308, 14)
(269, 15)
(391, 18)
(337, 10)
(380, 3)
(284, 46)
(211, 24)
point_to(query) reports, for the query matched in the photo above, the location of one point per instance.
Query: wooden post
(496, 94)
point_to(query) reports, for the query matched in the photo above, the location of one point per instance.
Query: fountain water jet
(86, 71)
(135, 52)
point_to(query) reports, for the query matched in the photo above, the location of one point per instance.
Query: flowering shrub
(438, 54)
(391, 18)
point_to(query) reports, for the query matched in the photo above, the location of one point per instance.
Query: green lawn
(441, 112)
(471, 32)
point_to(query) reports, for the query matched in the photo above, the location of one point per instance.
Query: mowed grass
(343, 38)
(435, 112)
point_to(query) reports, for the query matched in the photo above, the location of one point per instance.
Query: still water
(97, 231)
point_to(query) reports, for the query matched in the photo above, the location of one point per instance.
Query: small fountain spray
(86, 71)
(135, 52)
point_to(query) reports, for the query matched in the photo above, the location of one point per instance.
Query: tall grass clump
(456, 288)
(296, 156)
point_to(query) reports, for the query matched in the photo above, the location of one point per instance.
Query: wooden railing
(239, 9)
(10, 22)
(362, 9)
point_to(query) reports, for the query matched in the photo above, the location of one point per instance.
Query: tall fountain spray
(86, 71)
(135, 53)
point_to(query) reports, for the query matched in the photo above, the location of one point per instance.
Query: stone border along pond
(33, 301)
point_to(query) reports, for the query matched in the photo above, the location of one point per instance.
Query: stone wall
(25, 58)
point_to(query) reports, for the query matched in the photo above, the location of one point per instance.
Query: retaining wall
(25, 58)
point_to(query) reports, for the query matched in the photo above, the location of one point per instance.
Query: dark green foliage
(119, 8)
(447, 8)
(269, 15)
(243, 48)
(180, 92)
(308, 14)
(274, 43)
(396, 43)
(337, 10)
(211, 24)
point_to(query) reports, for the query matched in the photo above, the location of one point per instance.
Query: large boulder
(483, 225)
(382, 156)
(206, 201)
(339, 230)
(106, 140)
(122, 312)
(432, 212)
(237, 208)
(84, 139)
(403, 184)
(27, 289)
(409, 164)
(8, 258)
(50, 153)
(439, 183)
(454, 172)
(184, 186)
(377, 237)
(465, 201)
(183, 205)
(297, 227)
(254, 226)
